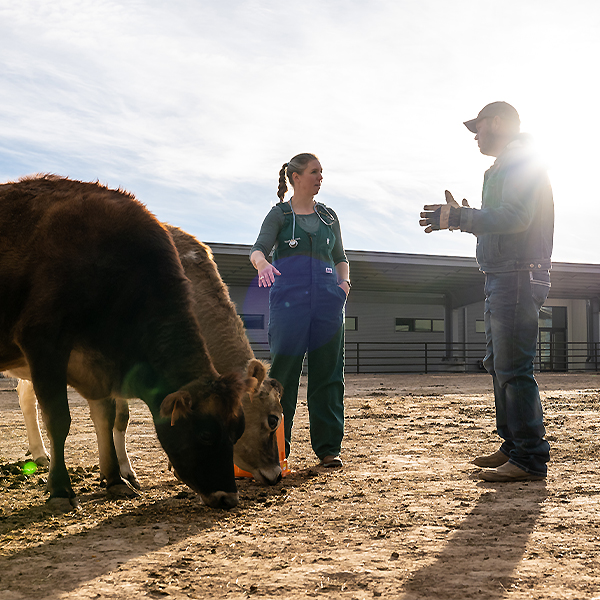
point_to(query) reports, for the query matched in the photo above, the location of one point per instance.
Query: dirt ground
(406, 517)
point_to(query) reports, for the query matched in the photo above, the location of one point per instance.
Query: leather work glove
(442, 216)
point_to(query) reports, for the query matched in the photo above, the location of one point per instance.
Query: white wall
(377, 317)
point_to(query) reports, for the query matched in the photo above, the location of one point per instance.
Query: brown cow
(223, 331)
(222, 328)
(94, 295)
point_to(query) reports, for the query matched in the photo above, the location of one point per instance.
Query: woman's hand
(266, 271)
(345, 286)
(266, 275)
(343, 276)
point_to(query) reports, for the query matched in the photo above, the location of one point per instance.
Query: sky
(194, 105)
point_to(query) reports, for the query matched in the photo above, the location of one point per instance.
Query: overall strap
(326, 214)
(285, 207)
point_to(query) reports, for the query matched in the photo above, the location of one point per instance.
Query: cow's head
(199, 425)
(256, 451)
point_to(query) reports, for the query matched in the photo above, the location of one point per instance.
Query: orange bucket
(285, 470)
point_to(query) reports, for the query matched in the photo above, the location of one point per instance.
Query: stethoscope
(293, 242)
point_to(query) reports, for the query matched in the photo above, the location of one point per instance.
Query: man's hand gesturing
(442, 216)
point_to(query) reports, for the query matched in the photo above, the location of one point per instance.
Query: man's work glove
(442, 216)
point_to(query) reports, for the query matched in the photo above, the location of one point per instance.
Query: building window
(405, 325)
(545, 318)
(253, 321)
(351, 323)
(553, 317)
(479, 326)
(437, 325)
(420, 325)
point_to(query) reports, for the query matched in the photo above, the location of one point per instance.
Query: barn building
(424, 313)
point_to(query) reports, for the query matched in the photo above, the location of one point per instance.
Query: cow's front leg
(52, 397)
(103, 416)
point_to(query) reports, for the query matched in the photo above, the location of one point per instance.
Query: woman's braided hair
(296, 165)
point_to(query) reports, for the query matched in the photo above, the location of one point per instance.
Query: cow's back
(93, 261)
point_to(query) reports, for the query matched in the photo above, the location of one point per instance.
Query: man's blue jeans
(512, 305)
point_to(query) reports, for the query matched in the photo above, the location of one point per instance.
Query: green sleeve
(338, 254)
(269, 231)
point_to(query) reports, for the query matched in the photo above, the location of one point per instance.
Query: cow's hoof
(62, 505)
(133, 481)
(42, 461)
(121, 490)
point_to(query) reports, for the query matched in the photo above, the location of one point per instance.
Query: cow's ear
(256, 373)
(252, 385)
(176, 405)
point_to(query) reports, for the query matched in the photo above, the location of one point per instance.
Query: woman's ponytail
(283, 188)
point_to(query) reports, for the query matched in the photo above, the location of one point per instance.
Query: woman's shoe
(332, 461)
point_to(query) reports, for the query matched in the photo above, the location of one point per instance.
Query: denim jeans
(512, 305)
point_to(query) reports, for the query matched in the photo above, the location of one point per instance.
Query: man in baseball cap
(514, 229)
(496, 109)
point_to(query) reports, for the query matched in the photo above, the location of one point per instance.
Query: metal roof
(419, 275)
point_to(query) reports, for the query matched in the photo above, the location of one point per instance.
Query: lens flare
(29, 468)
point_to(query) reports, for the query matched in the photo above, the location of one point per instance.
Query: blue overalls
(307, 316)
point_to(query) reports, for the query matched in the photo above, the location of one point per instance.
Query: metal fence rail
(413, 357)
(439, 357)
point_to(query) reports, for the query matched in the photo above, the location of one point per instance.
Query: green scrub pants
(309, 321)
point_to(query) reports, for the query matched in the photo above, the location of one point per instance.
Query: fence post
(426, 358)
(357, 358)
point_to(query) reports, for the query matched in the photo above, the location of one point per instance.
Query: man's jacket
(515, 225)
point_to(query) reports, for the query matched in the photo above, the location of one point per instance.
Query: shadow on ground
(476, 552)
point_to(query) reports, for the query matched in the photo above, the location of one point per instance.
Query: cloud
(194, 105)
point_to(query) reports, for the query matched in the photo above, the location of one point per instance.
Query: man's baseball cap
(496, 109)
